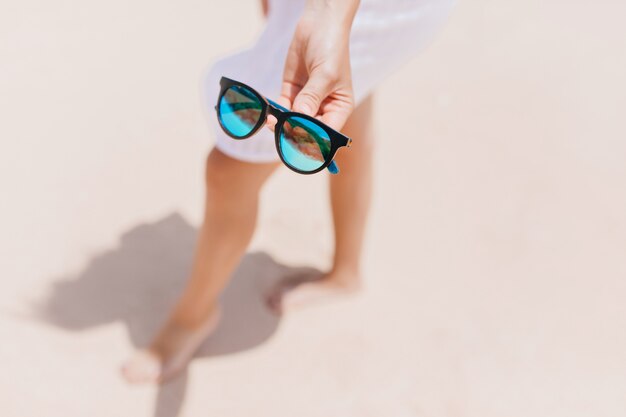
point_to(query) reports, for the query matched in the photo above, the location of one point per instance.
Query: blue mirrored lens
(239, 111)
(304, 145)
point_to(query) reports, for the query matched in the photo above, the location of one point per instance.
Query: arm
(343, 10)
(317, 79)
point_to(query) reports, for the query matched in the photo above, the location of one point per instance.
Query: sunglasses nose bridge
(274, 111)
(272, 116)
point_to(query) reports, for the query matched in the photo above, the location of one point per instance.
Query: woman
(322, 58)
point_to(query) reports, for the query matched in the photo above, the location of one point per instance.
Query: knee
(216, 173)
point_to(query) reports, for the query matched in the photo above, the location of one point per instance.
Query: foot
(170, 352)
(299, 291)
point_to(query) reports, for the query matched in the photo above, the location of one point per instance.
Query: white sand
(496, 256)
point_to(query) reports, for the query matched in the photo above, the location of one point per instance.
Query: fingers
(287, 94)
(337, 118)
(310, 98)
(320, 99)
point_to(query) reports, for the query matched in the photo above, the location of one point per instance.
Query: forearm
(341, 11)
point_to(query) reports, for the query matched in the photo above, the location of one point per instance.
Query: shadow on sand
(138, 282)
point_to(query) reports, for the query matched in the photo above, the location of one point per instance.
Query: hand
(317, 79)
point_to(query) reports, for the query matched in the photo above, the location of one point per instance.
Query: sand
(495, 259)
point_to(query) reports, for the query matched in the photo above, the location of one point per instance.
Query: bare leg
(350, 193)
(232, 189)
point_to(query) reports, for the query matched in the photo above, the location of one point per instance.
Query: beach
(495, 259)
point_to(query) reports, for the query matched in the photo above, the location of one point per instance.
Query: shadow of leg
(246, 319)
(138, 282)
(171, 396)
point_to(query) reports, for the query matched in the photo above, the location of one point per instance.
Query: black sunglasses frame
(337, 139)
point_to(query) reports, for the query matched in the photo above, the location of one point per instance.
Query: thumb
(314, 92)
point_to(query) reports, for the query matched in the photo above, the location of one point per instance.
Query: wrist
(339, 12)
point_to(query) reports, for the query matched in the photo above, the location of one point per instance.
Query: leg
(350, 193)
(232, 189)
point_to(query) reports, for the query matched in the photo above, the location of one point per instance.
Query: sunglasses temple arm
(333, 168)
(278, 106)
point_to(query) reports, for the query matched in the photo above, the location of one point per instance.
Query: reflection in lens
(304, 145)
(239, 111)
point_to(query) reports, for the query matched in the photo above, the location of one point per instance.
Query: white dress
(385, 34)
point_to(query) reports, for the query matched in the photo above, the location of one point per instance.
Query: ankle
(344, 276)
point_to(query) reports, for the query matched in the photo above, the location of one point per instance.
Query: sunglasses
(304, 144)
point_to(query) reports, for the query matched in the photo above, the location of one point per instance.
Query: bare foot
(170, 352)
(298, 291)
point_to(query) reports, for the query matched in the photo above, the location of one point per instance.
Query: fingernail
(303, 108)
